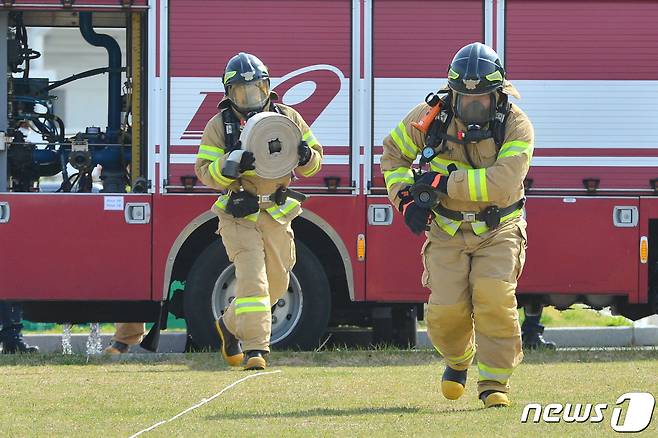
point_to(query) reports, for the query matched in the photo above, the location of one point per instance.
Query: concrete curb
(169, 343)
(588, 336)
(563, 337)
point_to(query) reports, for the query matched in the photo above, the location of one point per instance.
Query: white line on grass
(203, 402)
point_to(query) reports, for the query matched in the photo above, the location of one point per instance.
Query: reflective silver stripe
(399, 175)
(277, 212)
(447, 224)
(500, 375)
(310, 139)
(210, 153)
(440, 165)
(516, 147)
(477, 185)
(404, 142)
(252, 304)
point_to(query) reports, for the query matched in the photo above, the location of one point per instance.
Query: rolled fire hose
(273, 139)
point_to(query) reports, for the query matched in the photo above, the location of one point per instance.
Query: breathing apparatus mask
(475, 110)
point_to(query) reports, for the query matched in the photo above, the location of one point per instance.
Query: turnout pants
(473, 283)
(263, 253)
(130, 333)
(11, 322)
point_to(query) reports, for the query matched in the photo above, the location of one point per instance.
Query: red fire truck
(586, 69)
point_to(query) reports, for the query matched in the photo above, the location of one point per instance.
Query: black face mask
(475, 113)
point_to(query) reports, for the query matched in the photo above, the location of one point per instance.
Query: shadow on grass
(317, 412)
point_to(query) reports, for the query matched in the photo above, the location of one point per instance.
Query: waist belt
(281, 196)
(490, 215)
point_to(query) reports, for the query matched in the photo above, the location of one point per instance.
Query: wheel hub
(286, 312)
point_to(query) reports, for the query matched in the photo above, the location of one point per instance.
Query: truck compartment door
(75, 247)
(582, 245)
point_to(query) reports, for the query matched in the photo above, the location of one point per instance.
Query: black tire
(308, 275)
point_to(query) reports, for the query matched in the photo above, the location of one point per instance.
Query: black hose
(84, 74)
(114, 64)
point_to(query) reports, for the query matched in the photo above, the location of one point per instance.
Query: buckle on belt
(262, 199)
(469, 216)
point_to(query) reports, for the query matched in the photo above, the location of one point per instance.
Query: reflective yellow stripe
(277, 212)
(310, 139)
(212, 149)
(229, 74)
(495, 76)
(313, 170)
(252, 217)
(481, 228)
(404, 142)
(500, 375)
(477, 184)
(516, 147)
(221, 202)
(217, 175)
(264, 300)
(252, 304)
(457, 360)
(441, 165)
(447, 224)
(515, 213)
(205, 156)
(399, 175)
(211, 153)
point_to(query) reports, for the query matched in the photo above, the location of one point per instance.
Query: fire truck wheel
(299, 318)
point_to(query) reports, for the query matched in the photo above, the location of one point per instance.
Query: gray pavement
(632, 336)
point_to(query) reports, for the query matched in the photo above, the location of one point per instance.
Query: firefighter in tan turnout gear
(255, 215)
(478, 148)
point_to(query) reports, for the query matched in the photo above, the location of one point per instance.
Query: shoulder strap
(435, 139)
(499, 123)
(231, 129)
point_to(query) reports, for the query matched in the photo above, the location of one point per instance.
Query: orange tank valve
(435, 107)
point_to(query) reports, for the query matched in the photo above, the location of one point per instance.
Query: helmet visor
(251, 96)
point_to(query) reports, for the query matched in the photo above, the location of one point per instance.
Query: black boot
(532, 330)
(230, 348)
(10, 335)
(117, 347)
(535, 341)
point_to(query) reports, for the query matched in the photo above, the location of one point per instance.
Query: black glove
(430, 178)
(304, 152)
(416, 218)
(247, 162)
(241, 204)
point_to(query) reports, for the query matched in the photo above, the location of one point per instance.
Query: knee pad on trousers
(494, 308)
(450, 324)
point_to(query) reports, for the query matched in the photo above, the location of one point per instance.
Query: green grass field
(336, 393)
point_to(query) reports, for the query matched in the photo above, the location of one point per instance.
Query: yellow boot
(231, 351)
(494, 399)
(255, 360)
(117, 347)
(453, 383)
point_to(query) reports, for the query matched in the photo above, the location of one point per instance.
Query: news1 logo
(637, 416)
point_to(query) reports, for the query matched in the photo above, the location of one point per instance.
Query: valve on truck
(39, 146)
